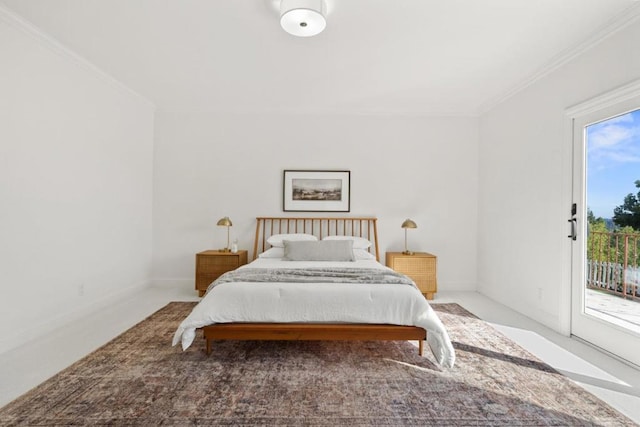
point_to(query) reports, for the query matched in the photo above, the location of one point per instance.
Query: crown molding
(621, 21)
(621, 94)
(321, 112)
(16, 21)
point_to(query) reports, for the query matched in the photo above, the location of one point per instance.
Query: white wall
(211, 165)
(524, 196)
(75, 186)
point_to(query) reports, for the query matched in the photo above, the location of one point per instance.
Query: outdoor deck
(614, 309)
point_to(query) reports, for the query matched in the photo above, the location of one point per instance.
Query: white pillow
(277, 239)
(358, 242)
(272, 253)
(363, 254)
(318, 251)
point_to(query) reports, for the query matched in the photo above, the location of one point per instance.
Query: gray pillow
(324, 250)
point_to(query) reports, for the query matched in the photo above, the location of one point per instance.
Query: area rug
(139, 379)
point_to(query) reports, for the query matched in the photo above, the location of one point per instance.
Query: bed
(306, 296)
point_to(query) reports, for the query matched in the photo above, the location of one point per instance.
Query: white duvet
(318, 302)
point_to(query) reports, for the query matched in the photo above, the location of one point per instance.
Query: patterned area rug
(139, 379)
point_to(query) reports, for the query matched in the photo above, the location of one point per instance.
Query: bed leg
(420, 347)
(208, 346)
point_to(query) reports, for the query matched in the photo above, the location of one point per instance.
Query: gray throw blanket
(314, 275)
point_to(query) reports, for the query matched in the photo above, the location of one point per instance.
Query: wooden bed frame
(365, 227)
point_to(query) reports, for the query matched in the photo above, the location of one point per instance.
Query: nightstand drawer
(216, 264)
(424, 267)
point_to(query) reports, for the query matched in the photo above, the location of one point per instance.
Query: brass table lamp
(407, 224)
(225, 222)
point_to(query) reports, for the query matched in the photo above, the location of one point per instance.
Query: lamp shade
(409, 224)
(303, 18)
(225, 222)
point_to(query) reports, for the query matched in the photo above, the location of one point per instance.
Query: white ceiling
(375, 56)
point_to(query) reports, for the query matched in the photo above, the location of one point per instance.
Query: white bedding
(319, 302)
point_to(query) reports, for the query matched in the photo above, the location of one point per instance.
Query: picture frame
(316, 191)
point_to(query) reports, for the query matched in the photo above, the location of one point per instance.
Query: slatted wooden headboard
(365, 227)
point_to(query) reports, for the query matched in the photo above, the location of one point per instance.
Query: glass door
(605, 229)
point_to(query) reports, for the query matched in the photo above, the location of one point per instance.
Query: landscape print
(317, 189)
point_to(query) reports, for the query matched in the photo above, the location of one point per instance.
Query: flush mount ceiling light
(303, 18)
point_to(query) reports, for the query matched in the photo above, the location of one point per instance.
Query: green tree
(628, 214)
(598, 240)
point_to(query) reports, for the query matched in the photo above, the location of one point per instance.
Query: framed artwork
(316, 191)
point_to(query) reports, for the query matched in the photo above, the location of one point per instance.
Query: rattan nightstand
(420, 266)
(212, 264)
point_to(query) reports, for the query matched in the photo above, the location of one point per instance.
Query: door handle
(573, 235)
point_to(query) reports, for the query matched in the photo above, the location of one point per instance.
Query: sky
(613, 162)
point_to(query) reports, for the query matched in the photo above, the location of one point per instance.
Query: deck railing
(613, 263)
